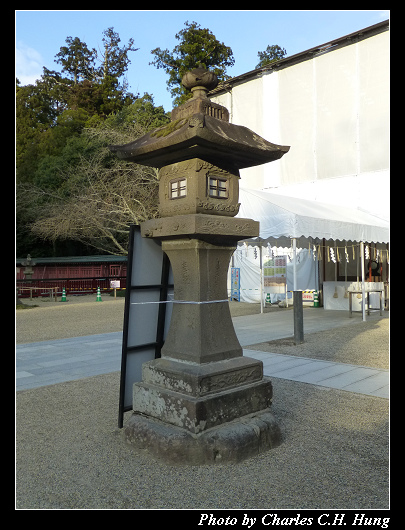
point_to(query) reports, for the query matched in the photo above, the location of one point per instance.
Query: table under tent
(306, 244)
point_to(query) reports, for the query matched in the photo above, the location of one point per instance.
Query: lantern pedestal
(202, 401)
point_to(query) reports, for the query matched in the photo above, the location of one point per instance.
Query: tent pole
(294, 242)
(363, 290)
(261, 276)
(297, 302)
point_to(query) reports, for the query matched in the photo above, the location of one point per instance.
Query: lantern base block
(235, 441)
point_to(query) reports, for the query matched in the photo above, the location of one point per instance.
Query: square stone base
(198, 397)
(234, 441)
(203, 413)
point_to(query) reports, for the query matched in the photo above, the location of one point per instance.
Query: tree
(114, 60)
(198, 47)
(99, 196)
(72, 192)
(44, 122)
(36, 112)
(84, 193)
(92, 83)
(60, 104)
(142, 112)
(270, 55)
(76, 59)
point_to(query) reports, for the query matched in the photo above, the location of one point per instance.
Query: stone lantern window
(178, 188)
(217, 187)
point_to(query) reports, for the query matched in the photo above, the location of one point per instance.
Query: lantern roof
(200, 129)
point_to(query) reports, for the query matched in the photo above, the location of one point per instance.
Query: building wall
(333, 110)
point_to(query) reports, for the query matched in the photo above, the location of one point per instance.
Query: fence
(71, 285)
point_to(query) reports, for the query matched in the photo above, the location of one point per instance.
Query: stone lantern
(202, 401)
(28, 264)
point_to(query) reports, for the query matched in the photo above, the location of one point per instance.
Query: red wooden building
(77, 274)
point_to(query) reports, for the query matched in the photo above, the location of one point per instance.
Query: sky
(41, 33)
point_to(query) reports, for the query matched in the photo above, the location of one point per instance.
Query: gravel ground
(365, 343)
(81, 316)
(70, 454)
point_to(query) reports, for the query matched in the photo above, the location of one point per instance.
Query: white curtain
(247, 259)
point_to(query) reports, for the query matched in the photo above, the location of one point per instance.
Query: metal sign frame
(146, 320)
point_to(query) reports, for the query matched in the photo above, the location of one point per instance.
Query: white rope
(181, 302)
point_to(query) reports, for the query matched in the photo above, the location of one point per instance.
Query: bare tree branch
(105, 200)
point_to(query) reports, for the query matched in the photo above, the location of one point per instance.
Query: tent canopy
(284, 217)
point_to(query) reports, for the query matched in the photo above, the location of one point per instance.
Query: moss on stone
(169, 128)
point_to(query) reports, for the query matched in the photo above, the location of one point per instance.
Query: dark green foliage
(55, 149)
(270, 55)
(197, 47)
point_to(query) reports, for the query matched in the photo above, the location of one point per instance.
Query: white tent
(285, 219)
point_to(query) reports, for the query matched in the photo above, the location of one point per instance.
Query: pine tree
(198, 47)
(270, 55)
(76, 59)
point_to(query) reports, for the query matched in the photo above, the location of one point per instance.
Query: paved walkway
(56, 361)
(354, 378)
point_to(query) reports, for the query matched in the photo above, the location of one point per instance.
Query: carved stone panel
(196, 186)
(205, 227)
